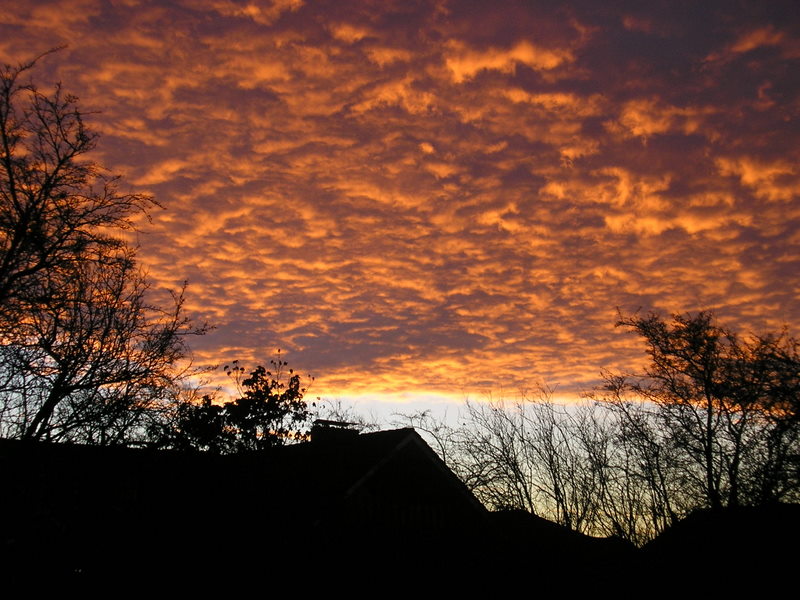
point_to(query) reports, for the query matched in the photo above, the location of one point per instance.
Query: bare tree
(713, 421)
(56, 207)
(96, 363)
(530, 454)
(646, 491)
(83, 354)
(727, 405)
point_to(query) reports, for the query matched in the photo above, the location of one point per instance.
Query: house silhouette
(379, 503)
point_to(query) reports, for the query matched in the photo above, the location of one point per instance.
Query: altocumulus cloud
(433, 196)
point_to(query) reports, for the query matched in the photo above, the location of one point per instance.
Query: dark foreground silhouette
(345, 510)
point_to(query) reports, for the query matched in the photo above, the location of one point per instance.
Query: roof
(340, 468)
(372, 495)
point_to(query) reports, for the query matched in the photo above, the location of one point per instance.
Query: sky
(423, 201)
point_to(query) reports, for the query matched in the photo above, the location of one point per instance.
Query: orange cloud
(433, 199)
(464, 62)
(776, 180)
(762, 36)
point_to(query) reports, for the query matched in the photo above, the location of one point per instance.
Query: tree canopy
(269, 411)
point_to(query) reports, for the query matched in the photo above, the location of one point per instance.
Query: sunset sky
(422, 200)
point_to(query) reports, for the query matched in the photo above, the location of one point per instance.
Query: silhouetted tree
(712, 421)
(83, 355)
(95, 366)
(198, 425)
(530, 454)
(269, 411)
(648, 490)
(57, 209)
(728, 406)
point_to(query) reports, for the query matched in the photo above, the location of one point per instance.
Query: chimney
(324, 431)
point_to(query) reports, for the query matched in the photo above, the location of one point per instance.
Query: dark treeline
(712, 423)
(87, 357)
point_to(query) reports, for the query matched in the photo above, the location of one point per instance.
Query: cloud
(261, 12)
(770, 180)
(433, 197)
(465, 62)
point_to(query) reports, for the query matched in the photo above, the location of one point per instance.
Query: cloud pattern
(434, 197)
